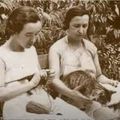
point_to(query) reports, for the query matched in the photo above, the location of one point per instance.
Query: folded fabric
(34, 107)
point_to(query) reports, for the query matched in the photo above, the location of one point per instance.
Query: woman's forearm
(64, 90)
(103, 79)
(7, 93)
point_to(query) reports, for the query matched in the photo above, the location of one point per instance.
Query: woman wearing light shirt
(21, 73)
(73, 52)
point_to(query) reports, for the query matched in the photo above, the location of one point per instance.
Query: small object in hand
(34, 107)
(49, 71)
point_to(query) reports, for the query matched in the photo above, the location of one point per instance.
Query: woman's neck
(75, 43)
(14, 45)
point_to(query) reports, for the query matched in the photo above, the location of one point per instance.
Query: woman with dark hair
(21, 75)
(73, 53)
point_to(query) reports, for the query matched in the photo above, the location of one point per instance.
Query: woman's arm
(100, 77)
(7, 93)
(54, 63)
(2, 73)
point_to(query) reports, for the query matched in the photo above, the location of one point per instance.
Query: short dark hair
(71, 13)
(18, 18)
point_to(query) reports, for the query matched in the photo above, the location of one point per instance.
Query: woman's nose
(80, 30)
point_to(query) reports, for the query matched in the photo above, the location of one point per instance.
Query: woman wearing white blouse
(18, 60)
(73, 52)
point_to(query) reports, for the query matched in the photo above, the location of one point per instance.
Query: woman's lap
(16, 108)
(68, 110)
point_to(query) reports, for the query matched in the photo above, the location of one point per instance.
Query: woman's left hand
(51, 75)
(113, 82)
(43, 74)
(47, 74)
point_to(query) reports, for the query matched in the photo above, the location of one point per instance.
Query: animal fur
(88, 86)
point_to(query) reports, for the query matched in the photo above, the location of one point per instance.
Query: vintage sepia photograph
(59, 59)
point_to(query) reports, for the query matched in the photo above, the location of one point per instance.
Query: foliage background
(104, 30)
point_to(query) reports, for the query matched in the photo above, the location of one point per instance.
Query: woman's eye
(28, 35)
(77, 26)
(85, 25)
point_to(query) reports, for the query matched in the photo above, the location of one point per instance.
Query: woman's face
(78, 27)
(26, 37)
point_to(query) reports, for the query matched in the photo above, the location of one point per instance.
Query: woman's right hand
(35, 80)
(81, 101)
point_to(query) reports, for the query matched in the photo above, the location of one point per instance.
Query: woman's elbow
(2, 98)
(3, 94)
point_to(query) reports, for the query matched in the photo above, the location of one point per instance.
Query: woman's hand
(47, 76)
(45, 73)
(51, 75)
(35, 80)
(113, 82)
(81, 101)
(104, 80)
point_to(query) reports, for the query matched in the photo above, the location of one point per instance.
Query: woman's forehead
(31, 27)
(80, 19)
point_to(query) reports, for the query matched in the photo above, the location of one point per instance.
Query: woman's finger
(50, 71)
(114, 83)
(43, 74)
(35, 80)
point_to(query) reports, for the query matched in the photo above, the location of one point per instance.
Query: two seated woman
(21, 73)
